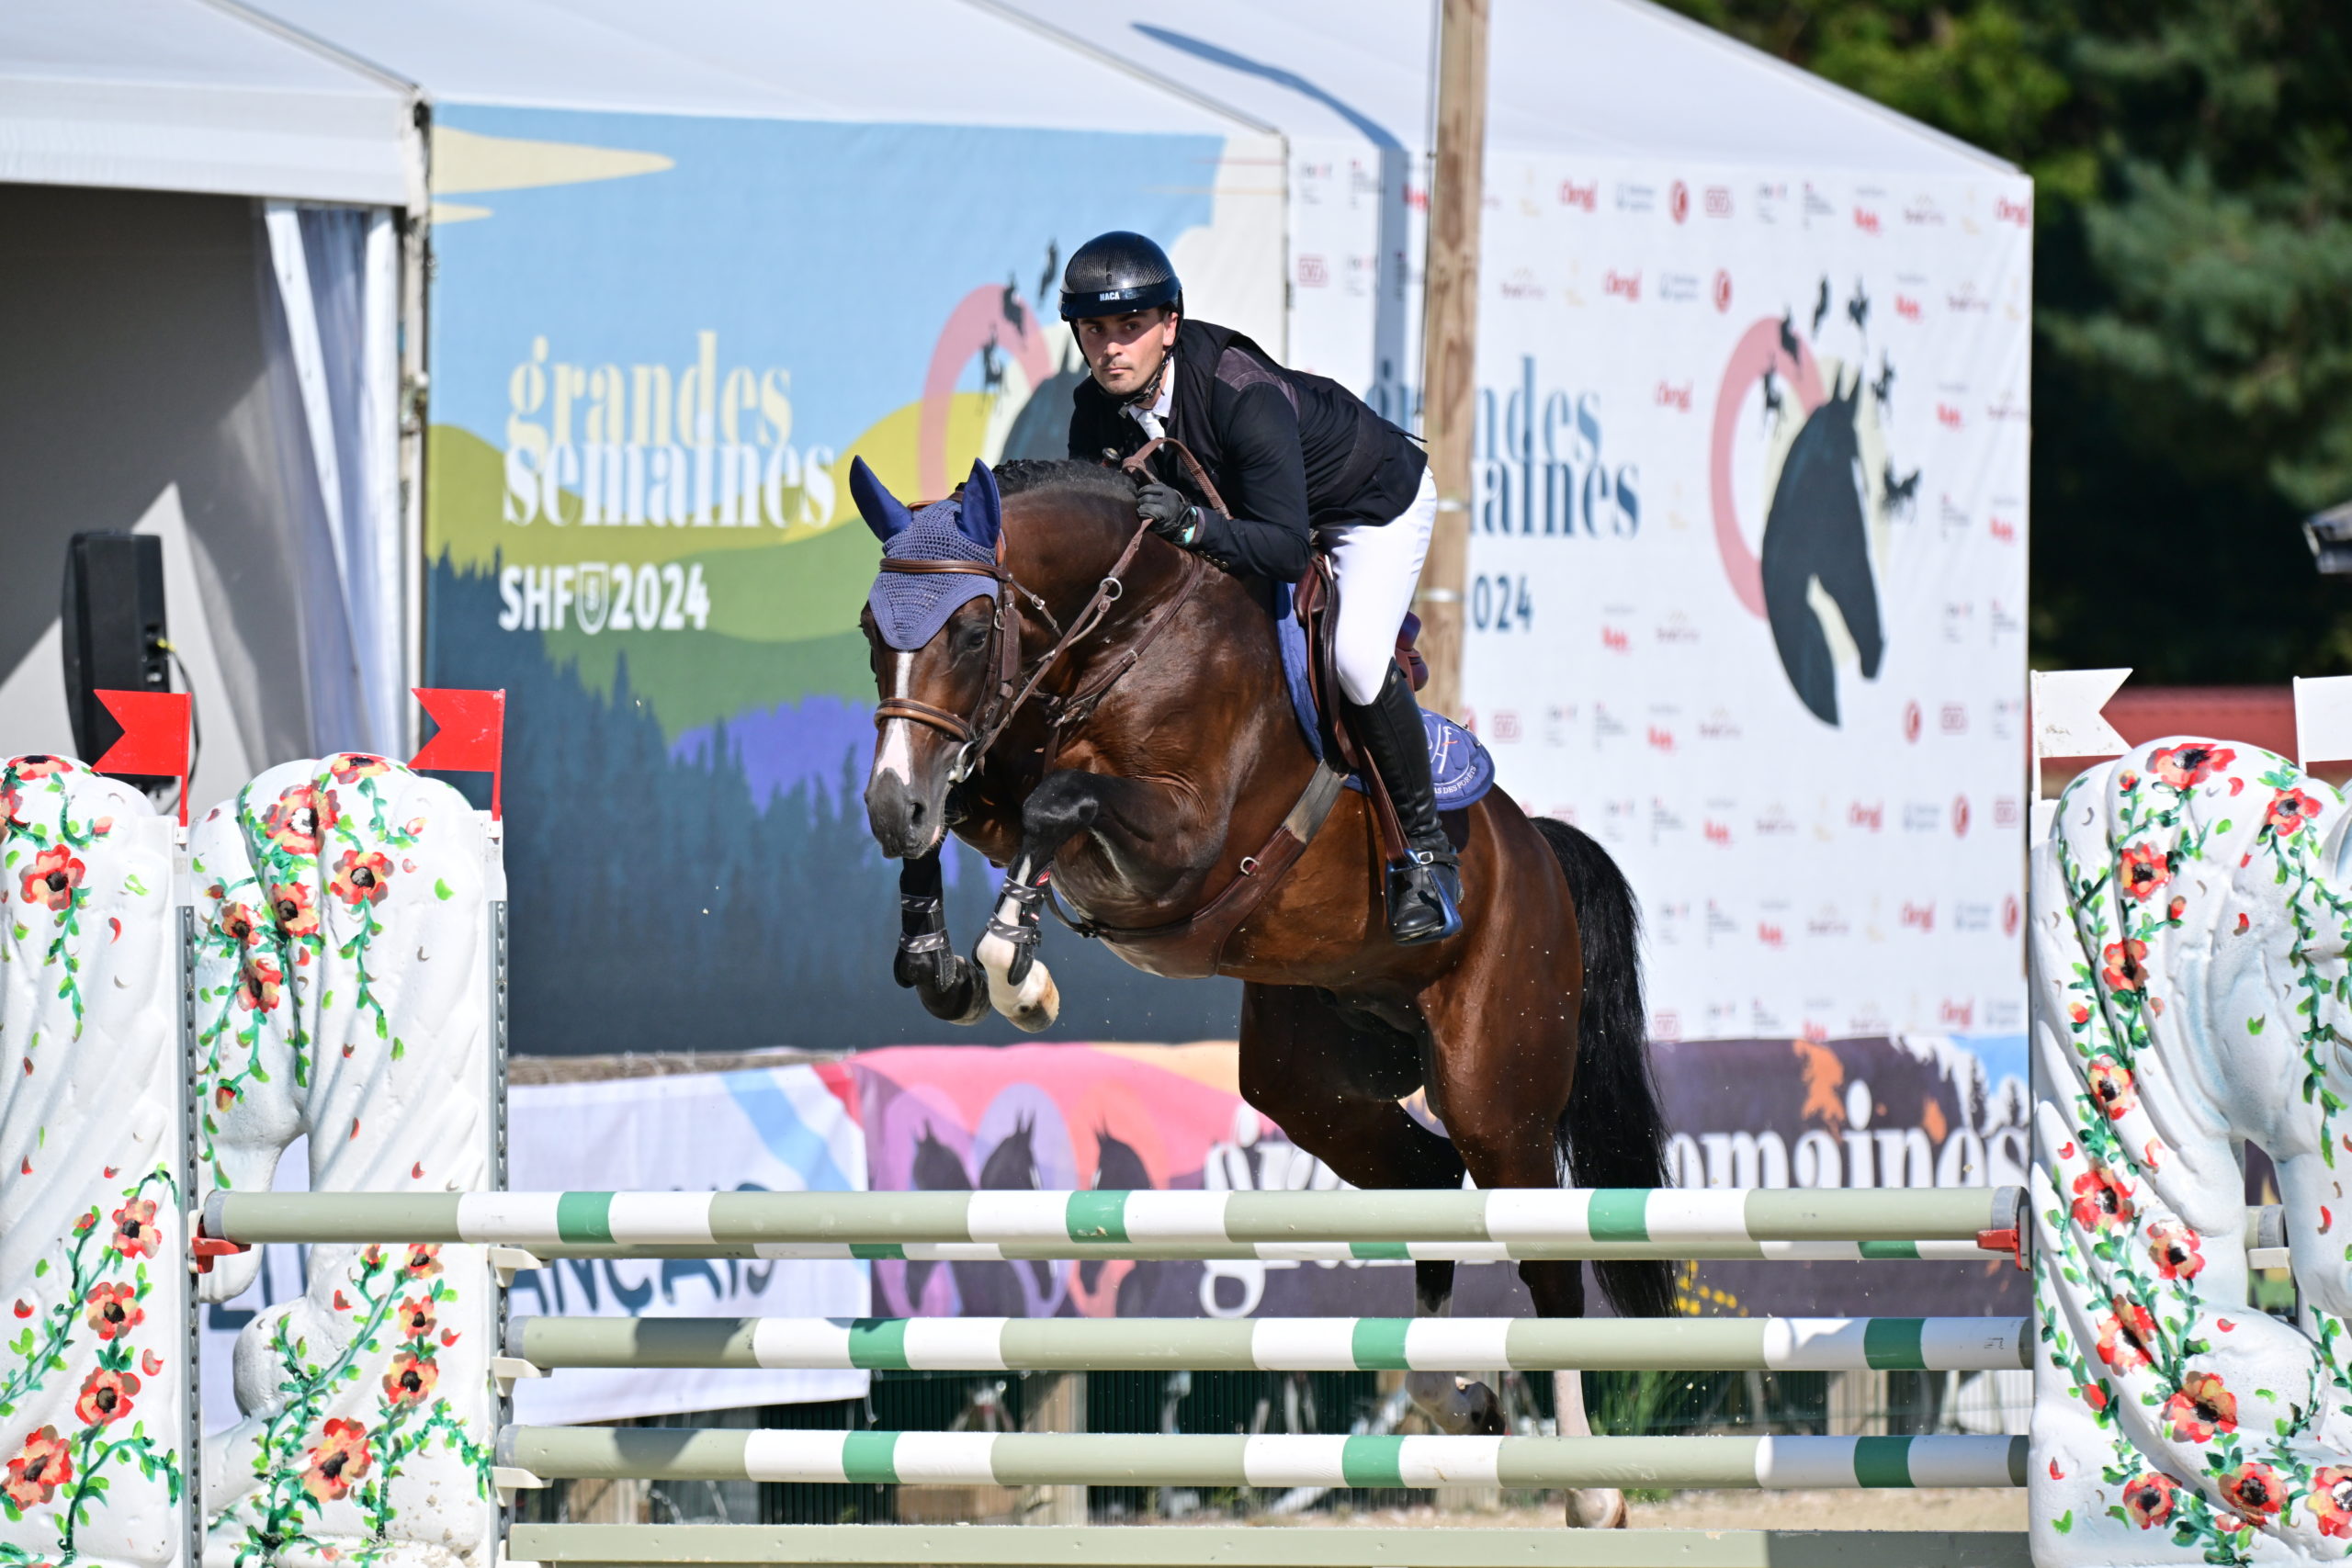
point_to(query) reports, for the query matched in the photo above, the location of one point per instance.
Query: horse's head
(930, 622)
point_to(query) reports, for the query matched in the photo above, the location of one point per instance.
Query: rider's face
(1125, 352)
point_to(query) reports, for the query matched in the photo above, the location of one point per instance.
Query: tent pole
(1450, 338)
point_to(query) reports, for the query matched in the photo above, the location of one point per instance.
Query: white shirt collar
(1154, 419)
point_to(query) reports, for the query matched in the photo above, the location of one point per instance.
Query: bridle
(1009, 692)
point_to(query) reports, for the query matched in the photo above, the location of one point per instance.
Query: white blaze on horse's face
(895, 757)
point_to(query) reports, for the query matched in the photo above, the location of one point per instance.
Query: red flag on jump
(154, 738)
(472, 736)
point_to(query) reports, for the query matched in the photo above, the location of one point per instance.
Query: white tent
(202, 210)
(181, 94)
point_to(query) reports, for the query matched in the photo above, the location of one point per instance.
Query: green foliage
(2193, 363)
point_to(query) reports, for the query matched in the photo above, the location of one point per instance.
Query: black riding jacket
(1289, 452)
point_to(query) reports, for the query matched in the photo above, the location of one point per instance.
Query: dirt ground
(1937, 1508)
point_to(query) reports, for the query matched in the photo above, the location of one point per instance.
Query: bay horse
(1105, 716)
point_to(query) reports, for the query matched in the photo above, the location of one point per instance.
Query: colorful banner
(657, 341)
(1925, 1112)
(1747, 574)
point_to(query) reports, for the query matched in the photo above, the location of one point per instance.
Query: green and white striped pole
(1037, 1459)
(1279, 1345)
(1514, 1223)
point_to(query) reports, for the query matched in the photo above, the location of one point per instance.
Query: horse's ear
(983, 510)
(883, 512)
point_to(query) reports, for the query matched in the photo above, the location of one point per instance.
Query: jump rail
(1281, 1344)
(1250, 1547)
(1956, 1223)
(1045, 1459)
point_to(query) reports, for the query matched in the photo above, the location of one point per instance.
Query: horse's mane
(1024, 474)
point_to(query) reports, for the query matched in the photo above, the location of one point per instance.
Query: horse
(2191, 917)
(1817, 540)
(1105, 716)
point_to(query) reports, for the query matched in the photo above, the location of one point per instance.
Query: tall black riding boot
(1424, 892)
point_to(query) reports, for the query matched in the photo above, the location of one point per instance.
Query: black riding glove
(1172, 517)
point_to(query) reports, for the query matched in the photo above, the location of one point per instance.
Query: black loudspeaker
(114, 635)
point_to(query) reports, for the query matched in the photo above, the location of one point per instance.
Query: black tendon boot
(1424, 892)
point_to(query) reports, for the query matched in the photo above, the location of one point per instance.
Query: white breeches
(1378, 565)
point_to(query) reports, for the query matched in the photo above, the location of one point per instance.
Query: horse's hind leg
(1331, 1080)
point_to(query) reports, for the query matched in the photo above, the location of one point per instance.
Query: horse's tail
(1612, 1132)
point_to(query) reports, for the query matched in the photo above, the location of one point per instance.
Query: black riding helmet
(1115, 273)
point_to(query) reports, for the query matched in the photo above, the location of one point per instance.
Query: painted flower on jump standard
(40, 1467)
(412, 1378)
(2289, 809)
(2142, 871)
(2147, 1497)
(2125, 1335)
(2112, 1087)
(134, 1228)
(113, 1309)
(106, 1397)
(340, 1460)
(362, 878)
(2253, 1490)
(2101, 1199)
(2184, 767)
(259, 980)
(2123, 970)
(296, 911)
(2331, 1500)
(52, 878)
(2202, 1407)
(2174, 1248)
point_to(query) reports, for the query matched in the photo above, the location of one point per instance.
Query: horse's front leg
(926, 964)
(1063, 806)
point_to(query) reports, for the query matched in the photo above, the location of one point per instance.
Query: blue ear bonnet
(909, 608)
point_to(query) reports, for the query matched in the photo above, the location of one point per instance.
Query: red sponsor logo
(1585, 196)
(1718, 834)
(1417, 200)
(1506, 724)
(1910, 721)
(1673, 397)
(1616, 641)
(1907, 306)
(2003, 530)
(1723, 290)
(1870, 819)
(1628, 284)
(1678, 200)
(1952, 718)
(2005, 811)
(1313, 272)
(1957, 1015)
(2017, 212)
(1866, 220)
(1661, 739)
(1919, 917)
(1770, 934)
(2010, 913)
(1960, 816)
(1947, 416)
(1718, 201)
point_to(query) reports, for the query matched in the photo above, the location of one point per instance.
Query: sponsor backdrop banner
(1914, 1112)
(656, 344)
(774, 1130)
(1749, 575)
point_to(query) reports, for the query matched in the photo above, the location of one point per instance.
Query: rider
(1304, 465)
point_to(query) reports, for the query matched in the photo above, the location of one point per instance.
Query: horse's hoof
(1596, 1508)
(1456, 1408)
(1038, 1002)
(1484, 1415)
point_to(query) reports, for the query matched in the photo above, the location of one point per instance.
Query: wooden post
(1449, 339)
